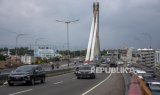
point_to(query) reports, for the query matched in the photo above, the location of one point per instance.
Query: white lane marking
(58, 82)
(97, 84)
(74, 78)
(20, 92)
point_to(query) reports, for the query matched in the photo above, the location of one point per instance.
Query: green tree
(103, 52)
(2, 58)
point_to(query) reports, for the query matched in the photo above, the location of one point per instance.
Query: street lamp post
(67, 23)
(36, 46)
(17, 43)
(149, 37)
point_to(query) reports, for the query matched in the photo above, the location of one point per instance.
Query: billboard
(44, 51)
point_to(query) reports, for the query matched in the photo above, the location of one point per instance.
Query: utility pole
(19, 35)
(67, 23)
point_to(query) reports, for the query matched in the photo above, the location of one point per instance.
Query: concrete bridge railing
(138, 87)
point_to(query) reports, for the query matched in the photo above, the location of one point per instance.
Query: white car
(139, 73)
(120, 62)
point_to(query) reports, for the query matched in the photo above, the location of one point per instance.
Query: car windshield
(150, 71)
(148, 77)
(155, 85)
(24, 69)
(85, 68)
(140, 74)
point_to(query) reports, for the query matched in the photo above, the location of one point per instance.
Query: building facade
(146, 56)
(27, 59)
(157, 56)
(117, 53)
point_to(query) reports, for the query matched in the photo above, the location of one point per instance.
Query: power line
(6, 30)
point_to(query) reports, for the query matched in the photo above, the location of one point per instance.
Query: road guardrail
(3, 77)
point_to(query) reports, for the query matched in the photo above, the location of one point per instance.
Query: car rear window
(85, 68)
(150, 71)
(156, 85)
(24, 69)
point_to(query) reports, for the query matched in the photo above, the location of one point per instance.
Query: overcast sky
(123, 23)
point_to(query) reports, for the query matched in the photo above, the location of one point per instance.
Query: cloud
(121, 21)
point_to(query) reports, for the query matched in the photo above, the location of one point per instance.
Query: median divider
(3, 78)
(138, 86)
(127, 80)
(58, 72)
(144, 87)
(134, 88)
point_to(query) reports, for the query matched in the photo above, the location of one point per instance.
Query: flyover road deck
(68, 84)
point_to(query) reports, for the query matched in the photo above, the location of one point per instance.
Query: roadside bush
(2, 58)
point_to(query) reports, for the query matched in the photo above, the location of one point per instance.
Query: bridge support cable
(93, 49)
(94, 42)
(90, 42)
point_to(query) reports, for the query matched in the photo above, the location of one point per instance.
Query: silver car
(155, 88)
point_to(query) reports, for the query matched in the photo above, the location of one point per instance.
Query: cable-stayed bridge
(93, 49)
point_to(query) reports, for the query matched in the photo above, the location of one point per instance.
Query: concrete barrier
(3, 77)
(144, 87)
(135, 88)
(127, 80)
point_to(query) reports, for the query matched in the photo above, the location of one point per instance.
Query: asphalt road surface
(68, 84)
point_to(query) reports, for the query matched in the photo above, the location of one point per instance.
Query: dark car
(86, 72)
(26, 74)
(148, 77)
(151, 72)
(113, 65)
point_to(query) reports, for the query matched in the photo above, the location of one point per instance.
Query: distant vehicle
(139, 73)
(120, 62)
(86, 71)
(26, 74)
(75, 62)
(148, 77)
(155, 88)
(129, 65)
(103, 64)
(92, 64)
(76, 70)
(151, 72)
(113, 65)
(80, 61)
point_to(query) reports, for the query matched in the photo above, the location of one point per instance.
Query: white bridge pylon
(93, 49)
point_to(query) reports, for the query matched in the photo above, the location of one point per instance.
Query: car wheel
(10, 84)
(43, 80)
(32, 81)
(94, 76)
(78, 77)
